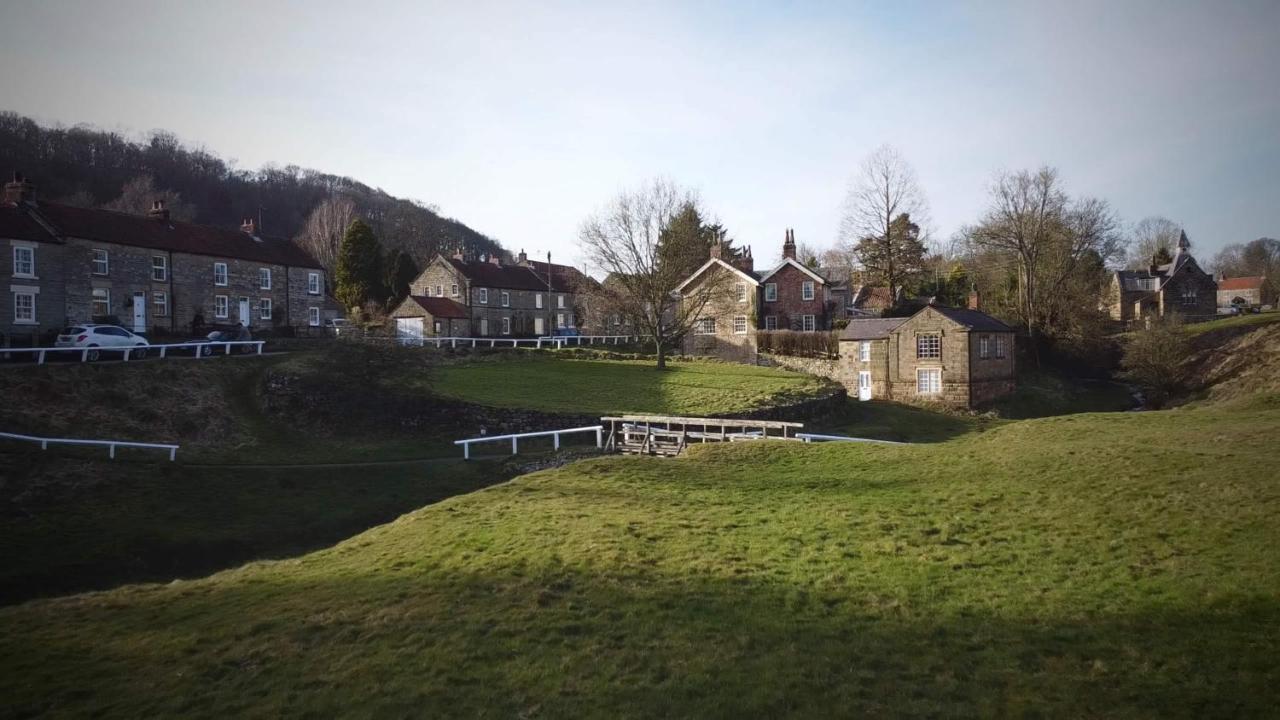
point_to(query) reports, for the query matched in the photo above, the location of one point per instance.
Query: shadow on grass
(882, 420)
(413, 639)
(72, 525)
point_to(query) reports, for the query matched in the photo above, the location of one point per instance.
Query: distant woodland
(95, 168)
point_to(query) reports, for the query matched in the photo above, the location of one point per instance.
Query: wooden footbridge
(670, 434)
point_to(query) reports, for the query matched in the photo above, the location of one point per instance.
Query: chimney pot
(19, 190)
(249, 227)
(789, 245)
(975, 299)
(158, 210)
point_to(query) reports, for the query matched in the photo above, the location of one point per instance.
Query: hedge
(799, 344)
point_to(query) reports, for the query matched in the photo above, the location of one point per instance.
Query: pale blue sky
(520, 119)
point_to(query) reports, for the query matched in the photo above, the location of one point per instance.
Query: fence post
(598, 436)
(84, 355)
(260, 344)
(513, 445)
(227, 349)
(112, 451)
(173, 452)
(466, 451)
(44, 444)
(40, 361)
(162, 349)
(556, 438)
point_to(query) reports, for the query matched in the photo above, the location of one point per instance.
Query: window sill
(19, 276)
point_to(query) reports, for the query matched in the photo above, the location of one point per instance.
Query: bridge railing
(45, 442)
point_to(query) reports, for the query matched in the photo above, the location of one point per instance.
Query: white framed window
(506, 326)
(928, 381)
(560, 301)
(506, 299)
(101, 302)
(313, 316)
(101, 262)
(1000, 349)
(313, 283)
(453, 290)
(264, 308)
(806, 290)
(770, 322)
(24, 307)
(537, 301)
(159, 268)
(739, 324)
(560, 320)
(808, 323)
(24, 261)
(439, 291)
(770, 292)
(484, 296)
(742, 292)
(984, 346)
(159, 304)
(221, 306)
(264, 278)
(928, 346)
(864, 351)
(438, 327)
(220, 274)
(706, 326)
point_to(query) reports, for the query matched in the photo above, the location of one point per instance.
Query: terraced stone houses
(152, 273)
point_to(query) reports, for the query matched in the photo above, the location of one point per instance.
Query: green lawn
(1245, 320)
(1095, 565)
(599, 387)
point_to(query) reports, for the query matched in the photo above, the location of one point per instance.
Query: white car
(102, 336)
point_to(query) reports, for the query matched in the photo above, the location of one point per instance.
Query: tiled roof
(1242, 283)
(17, 224)
(871, 328)
(564, 278)
(869, 297)
(510, 277)
(121, 228)
(440, 307)
(973, 319)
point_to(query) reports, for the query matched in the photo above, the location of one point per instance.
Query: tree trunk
(660, 351)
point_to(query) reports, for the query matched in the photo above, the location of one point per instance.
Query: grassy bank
(587, 386)
(1116, 565)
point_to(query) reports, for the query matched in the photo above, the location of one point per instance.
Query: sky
(521, 119)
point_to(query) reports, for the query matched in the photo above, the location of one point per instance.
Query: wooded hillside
(89, 167)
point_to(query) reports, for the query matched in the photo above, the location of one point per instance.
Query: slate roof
(564, 278)
(1242, 283)
(509, 277)
(17, 224)
(871, 328)
(440, 307)
(109, 226)
(973, 319)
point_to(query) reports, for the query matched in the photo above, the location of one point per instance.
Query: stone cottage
(726, 296)
(958, 357)
(419, 316)
(1245, 292)
(1180, 286)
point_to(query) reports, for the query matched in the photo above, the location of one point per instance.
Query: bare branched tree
(884, 189)
(322, 234)
(1153, 236)
(623, 240)
(1051, 241)
(138, 194)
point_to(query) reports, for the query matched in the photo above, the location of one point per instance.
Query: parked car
(338, 325)
(222, 334)
(95, 336)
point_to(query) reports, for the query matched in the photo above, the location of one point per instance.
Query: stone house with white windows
(150, 272)
(497, 299)
(1180, 287)
(727, 293)
(954, 356)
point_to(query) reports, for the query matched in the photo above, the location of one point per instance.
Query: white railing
(134, 350)
(813, 437)
(590, 339)
(111, 444)
(515, 438)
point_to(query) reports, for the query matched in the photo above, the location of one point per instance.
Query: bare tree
(884, 189)
(138, 195)
(624, 239)
(322, 234)
(1053, 243)
(1151, 236)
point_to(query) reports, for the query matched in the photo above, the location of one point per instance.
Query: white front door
(484, 327)
(539, 326)
(409, 331)
(244, 312)
(864, 384)
(139, 312)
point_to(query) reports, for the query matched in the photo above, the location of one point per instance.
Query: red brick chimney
(717, 250)
(457, 254)
(746, 263)
(19, 190)
(248, 227)
(789, 245)
(495, 259)
(975, 299)
(158, 211)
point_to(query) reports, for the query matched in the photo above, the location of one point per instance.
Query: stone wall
(48, 286)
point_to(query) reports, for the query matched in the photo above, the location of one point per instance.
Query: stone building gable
(735, 315)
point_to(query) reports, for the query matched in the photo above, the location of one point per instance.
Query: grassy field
(1238, 321)
(1095, 565)
(598, 387)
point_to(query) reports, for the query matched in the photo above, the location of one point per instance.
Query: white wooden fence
(111, 444)
(813, 437)
(556, 342)
(133, 351)
(515, 438)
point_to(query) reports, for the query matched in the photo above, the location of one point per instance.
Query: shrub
(799, 344)
(1154, 356)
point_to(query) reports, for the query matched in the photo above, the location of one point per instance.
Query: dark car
(225, 333)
